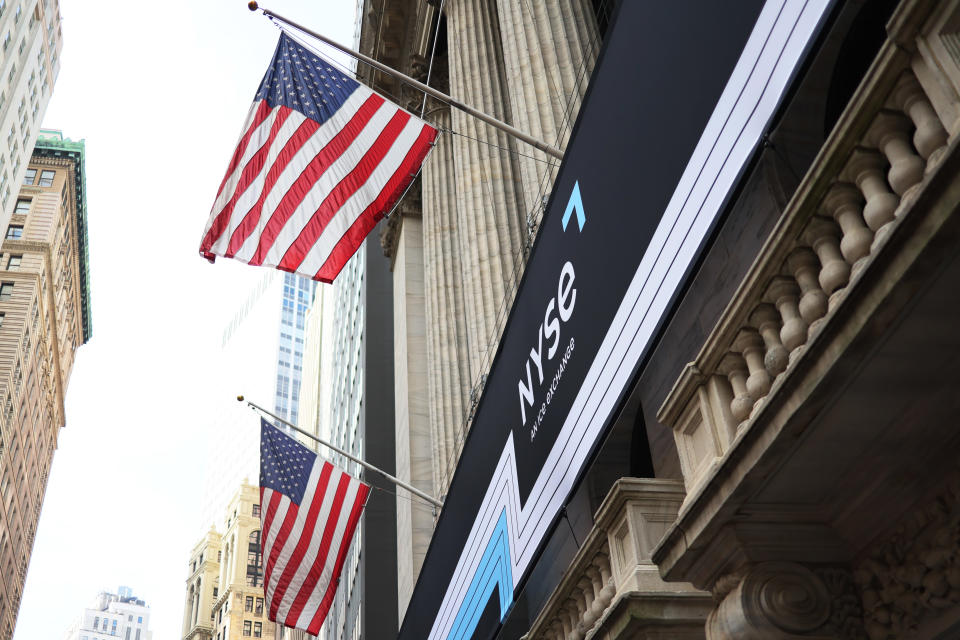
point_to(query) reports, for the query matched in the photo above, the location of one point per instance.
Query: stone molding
(612, 578)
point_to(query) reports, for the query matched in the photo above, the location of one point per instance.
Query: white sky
(159, 90)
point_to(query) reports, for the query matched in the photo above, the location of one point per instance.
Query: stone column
(490, 217)
(550, 47)
(412, 423)
(447, 354)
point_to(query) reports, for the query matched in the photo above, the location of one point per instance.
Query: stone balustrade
(861, 185)
(612, 574)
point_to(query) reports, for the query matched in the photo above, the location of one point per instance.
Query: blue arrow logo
(575, 203)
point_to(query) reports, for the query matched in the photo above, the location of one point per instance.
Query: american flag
(310, 511)
(321, 159)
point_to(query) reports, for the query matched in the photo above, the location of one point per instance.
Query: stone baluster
(750, 345)
(596, 605)
(803, 264)
(585, 589)
(930, 138)
(556, 630)
(890, 133)
(734, 367)
(784, 294)
(865, 168)
(602, 562)
(566, 620)
(822, 235)
(842, 203)
(576, 615)
(767, 322)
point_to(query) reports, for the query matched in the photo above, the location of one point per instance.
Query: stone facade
(816, 486)
(224, 590)
(44, 317)
(458, 242)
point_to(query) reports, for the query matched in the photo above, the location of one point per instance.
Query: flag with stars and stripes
(321, 159)
(309, 512)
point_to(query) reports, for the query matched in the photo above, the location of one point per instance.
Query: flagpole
(397, 481)
(453, 102)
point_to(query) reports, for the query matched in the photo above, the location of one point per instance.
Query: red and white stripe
(301, 196)
(304, 546)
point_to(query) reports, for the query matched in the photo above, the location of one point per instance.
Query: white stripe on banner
(747, 104)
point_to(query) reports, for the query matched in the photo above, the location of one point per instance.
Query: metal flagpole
(397, 481)
(453, 102)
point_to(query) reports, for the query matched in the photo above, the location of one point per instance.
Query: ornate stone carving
(915, 573)
(772, 600)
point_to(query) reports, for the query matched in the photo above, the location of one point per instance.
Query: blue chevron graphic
(494, 570)
(574, 203)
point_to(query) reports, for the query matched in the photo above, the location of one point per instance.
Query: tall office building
(297, 293)
(30, 40)
(360, 421)
(113, 616)
(224, 592)
(44, 316)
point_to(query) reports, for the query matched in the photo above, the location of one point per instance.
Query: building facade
(113, 616)
(224, 590)
(31, 40)
(360, 421)
(297, 293)
(458, 242)
(781, 461)
(44, 316)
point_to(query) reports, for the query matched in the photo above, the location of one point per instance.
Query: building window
(13, 263)
(30, 177)
(259, 609)
(127, 635)
(138, 634)
(254, 570)
(46, 178)
(2, 316)
(23, 205)
(256, 510)
(246, 628)
(96, 622)
(257, 629)
(140, 618)
(14, 231)
(248, 604)
(216, 591)
(6, 290)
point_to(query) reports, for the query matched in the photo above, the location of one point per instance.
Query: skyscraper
(31, 40)
(44, 316)
(297, 293)
(113, 616)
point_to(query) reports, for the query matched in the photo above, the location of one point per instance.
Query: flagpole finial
(239, 398)
(252, 5)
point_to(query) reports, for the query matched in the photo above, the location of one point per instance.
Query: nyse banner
(678, 103)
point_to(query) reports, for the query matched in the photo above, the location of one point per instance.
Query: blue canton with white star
(285, 464)
(305, 82)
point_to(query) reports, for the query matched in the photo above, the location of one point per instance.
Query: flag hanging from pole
(309, 512)
(321, 159)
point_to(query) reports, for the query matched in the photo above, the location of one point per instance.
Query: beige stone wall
(222, 602)
(40, 329)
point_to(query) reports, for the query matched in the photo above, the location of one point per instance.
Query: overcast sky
(159, 91)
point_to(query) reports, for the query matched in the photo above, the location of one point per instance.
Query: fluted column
(447, 354)
(549, 48)
(492, 227)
